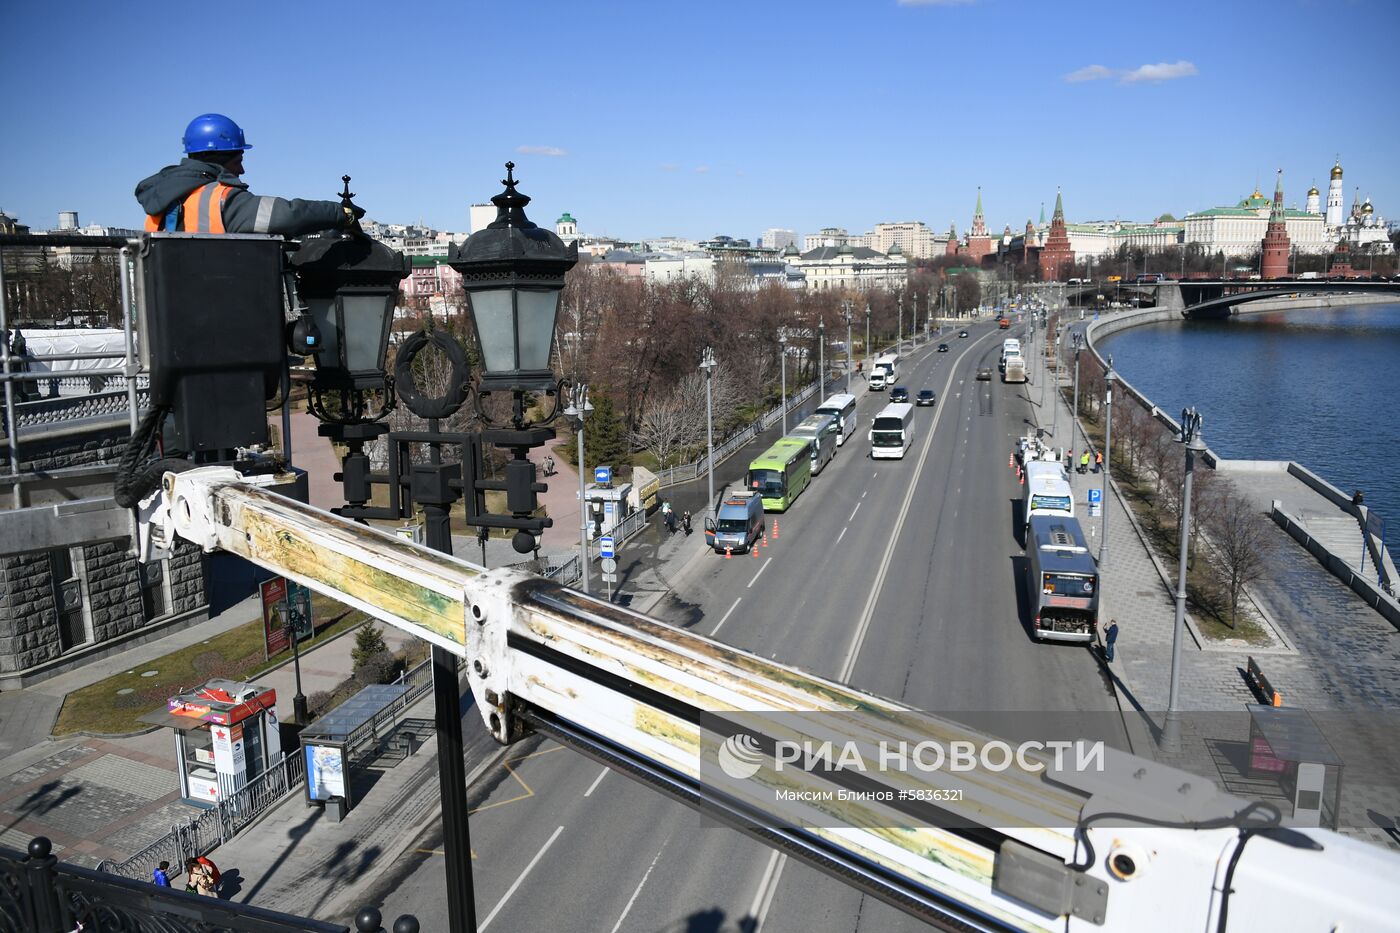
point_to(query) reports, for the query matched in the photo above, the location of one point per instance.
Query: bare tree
(668, 426)
(1240, 538)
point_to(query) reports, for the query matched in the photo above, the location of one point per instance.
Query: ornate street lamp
(513, 272)
(349, 285)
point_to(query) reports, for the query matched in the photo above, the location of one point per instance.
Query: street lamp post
(867, 341)
(1108, 379)
(707, 363)
(1074, 412)
(1191, 438)
(899, 331)
(782, 355)
(821, 356)
(578, 413)
(846, 313)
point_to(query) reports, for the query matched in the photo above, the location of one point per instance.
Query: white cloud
(1089, 73)
(669, 167)
(702, 169)
(1143, 74)
(553, 151)
(1162, 71)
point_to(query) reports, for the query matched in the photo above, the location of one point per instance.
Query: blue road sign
(602, 475)
(1095, 496)
(605, 546)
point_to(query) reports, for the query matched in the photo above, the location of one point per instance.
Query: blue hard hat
(213, 132)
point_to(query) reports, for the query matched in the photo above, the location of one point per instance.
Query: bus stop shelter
(330, 744)
(1286, 744)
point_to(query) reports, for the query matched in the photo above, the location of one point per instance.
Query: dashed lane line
(726, 616)
(520, 879)
(760, 571)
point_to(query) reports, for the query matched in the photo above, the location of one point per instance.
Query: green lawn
(234, 655)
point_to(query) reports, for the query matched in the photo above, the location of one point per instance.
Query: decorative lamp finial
(345, 193)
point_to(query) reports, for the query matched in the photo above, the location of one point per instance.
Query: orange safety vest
(201, 212)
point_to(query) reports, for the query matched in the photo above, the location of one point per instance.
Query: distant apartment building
(480, 216)
(913, 238)
(778, 238)
(833, 237)
(851, 267)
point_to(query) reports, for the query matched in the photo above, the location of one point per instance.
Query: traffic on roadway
(904, 576)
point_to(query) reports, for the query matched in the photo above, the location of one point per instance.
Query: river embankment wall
(1377, 593)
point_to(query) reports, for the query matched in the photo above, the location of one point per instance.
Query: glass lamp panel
(323, 313)
(364, 329)
(495, 329)
(536, 308)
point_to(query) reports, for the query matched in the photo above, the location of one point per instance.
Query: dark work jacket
(243, 212)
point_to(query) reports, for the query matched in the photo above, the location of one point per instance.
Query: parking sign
(605, 546)
(1095, 496)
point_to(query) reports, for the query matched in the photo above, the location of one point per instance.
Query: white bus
(892, 432)
(842, 407)
(1047, 491)
(821, 431)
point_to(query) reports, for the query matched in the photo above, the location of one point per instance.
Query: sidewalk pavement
(1330, 650)
(107, 797)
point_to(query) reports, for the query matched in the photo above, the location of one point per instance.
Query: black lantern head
(514, 272)
(350, 284)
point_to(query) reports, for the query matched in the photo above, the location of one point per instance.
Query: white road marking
(767, 887)
(862, 495)
(841, 535)
(760, 571)
(520, 879)
(854, 511)
(633, 899)
(596, 781)
(875, 475)
(726, 616)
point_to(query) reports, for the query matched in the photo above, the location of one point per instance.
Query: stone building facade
(62, 604)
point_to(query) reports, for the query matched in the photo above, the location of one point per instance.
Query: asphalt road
(901, 577)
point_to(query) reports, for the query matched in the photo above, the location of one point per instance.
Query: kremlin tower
(1056, 256)
(952, 248)
(1314, 206)
(1335, 218)
(1274, 264)
(979, 243)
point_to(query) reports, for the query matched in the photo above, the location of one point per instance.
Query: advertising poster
(325, 776)
(276, 634)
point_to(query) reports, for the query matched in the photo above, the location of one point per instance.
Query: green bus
(781, 473)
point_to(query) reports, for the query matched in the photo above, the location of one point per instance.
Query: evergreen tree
(369, 641)
(605, 436)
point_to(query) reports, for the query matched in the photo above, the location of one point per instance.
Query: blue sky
(655, 118)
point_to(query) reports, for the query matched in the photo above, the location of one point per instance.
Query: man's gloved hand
(353, 213)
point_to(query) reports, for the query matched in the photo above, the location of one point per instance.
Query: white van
(842, 407)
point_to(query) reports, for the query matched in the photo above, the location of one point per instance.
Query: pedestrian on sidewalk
(1098, 461)
(1084, 462)
(669, 517)
(160, 877)
(1110, 638)
(685, 522)
(198, 880)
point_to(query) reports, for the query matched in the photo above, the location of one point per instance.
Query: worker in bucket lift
(204, 194)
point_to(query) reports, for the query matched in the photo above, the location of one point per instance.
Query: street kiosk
(226, 734)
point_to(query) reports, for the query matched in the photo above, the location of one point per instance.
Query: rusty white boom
(1027, 848)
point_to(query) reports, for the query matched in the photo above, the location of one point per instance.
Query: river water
(1317, 385)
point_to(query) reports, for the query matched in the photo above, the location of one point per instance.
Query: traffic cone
(775, 529)
(1010, 461)
(728, 553)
